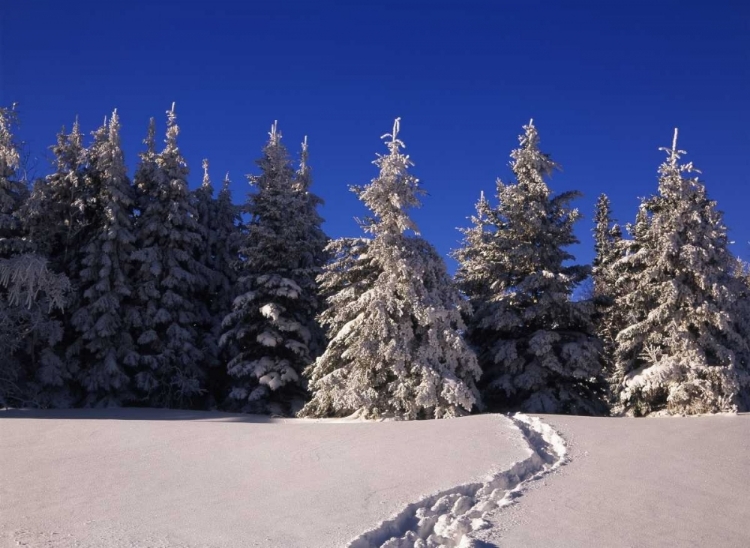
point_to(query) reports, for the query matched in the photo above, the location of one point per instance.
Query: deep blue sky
(606, 83)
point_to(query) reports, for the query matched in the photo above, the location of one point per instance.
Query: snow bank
(158, 478)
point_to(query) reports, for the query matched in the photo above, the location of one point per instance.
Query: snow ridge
(448, 518)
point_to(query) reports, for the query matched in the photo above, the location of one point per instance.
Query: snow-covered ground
(654, 482)
(152, 478)
(157, 478)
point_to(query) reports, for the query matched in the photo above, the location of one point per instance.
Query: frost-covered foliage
(536, 346)
(31, 374)
(393, 316)
(269, 331)
(311, 241)
(608, 247)
(104, 348)
(685, 349)
(13, 190)
(220, 222)
(61, 207)
(168, 279)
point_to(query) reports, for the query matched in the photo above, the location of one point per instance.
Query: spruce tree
(105, 348)
(168, 278)
(685, 349)
(394, 320)
(220, 221)
(61, 215)
(537, 347)
(13, 191)
(269, 330)
(608, 246)
(61, 206)
(31, 374)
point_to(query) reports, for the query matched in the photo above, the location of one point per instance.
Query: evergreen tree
(30, 373)
(536, 346)
(476, 255)
(608, 246)
(61, 215)
(685, 350)
(394, 318)
(168, 278)
(311, 241)
(105, 347)
(220, 221)
(59, 211)
(13, 190)
(270, 328)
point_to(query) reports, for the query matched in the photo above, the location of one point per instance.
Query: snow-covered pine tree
(13, 190)
(220, 221)
(475, 257)
(205, 208)
(536, 346)
(60, 216)
(608, 246)
(105, 348)
(145, 180)
(168, 278)
(394, 320)
(58, 212)
(268, 332)
(28, 293)
(311, 241)
(685, 350)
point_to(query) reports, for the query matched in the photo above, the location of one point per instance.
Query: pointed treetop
(394, 144)
(150, 140)
(530, 138)
(206, 178)
(674, 154)
(173, 130)
(225, 185)
(75, 135)
(275, 134)
(114, 128)
(303, 157)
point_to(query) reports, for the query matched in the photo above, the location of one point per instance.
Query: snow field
(145, 477)
(447, 519)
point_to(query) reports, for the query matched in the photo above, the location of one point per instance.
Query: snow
(159, 478)
(665, 481)
(144, 477)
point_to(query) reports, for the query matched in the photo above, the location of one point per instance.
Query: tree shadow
(138, 414)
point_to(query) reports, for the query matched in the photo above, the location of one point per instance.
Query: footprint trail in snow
(447, 519)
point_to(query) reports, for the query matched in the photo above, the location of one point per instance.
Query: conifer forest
(158, 291)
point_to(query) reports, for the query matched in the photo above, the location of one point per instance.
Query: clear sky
(606, 83)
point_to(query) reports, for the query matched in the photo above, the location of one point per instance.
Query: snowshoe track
(447, 519)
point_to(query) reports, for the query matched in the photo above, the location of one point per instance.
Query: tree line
(143, 292)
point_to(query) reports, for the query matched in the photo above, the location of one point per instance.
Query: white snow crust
(167, 478)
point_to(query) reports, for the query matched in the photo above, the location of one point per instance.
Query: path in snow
(160, 478)
(654, 482)
(448, 519)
